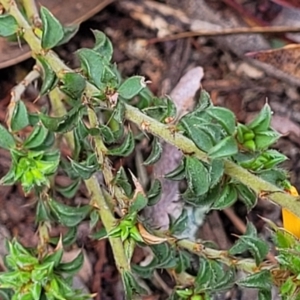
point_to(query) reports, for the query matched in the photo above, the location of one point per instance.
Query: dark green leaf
(103, 45)
(180, 224)
(197, 176)
(131, 286)
(204, 276)
(53, 31)
(121, 179)
(37, 137)
(138, 204)
(42, 212)
(264, 139)
(93, 66)
(204, 101)
(247, 196)
(19, 118)
(73, 85)
(94, 218)
(265, 295)
(131, 87)
(227, 197)
(67, 215)
(8, 25)
(107, 134)
(154, 193)
(143, 271)
(257, 247)
(155, 152)
(183, 261)
(69, 33)
(224, 117)
(73, 266)
(49, 76)
(260, 280)
(54, 257)
(200, 137)
(83, 170)
(178, 173)
(51, 123)
(262, 121)
(126, 148)
(69, 191)
(216, 172)
(101, 234)
(224, 148)
(6, 139)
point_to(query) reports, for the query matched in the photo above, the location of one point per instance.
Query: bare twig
(227, 31)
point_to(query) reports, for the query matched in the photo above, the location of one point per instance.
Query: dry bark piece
(68, 12)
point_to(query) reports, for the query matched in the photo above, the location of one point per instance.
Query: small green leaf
(204, 275)
(197, 176)
(73, 266)
(83, 170)
(101, 234)
(143, 271)
(6, 139)
(216, 172)
(49, 76)
(224, 117)
(70, 190)
(265, 295)
(131, 286)
(155, 152)
(264, 139)
(53, 31)
(121, 179)
(225, 148)
(67, 215)
(51, 123)
(250, 242)
(37, 137)
(73, 85)
(107, 134)
(103, 45)
(262, 121)
(8, 25)
(180, 224)
(92, 64)
(154, 193)
(204, 101)
(138, 204)
(194, 130)
(69, 33)
(227, 198)
(42, 212)
(260, 280)
(178, 173)
(247, 196)
(131, 87)
(19, 118)
(126, 148)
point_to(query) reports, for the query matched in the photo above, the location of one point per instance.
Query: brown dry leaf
(286, 59)
(149, 238)
(285, 126)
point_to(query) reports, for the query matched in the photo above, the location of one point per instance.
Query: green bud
(249, 136)
(250, 145)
